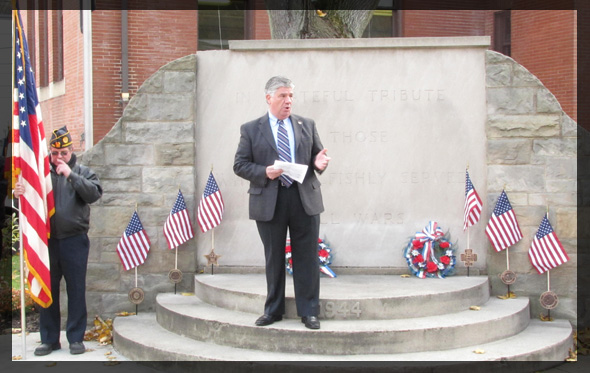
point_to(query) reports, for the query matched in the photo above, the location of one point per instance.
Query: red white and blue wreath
(430, 254)
(324, 258)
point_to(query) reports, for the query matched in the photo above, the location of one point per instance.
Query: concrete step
(350, 297)
(545, 344)
(191, 317)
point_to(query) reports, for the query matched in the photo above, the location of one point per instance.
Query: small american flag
(472, 204)
(31, 162)
(503, 230)
(134, 244)
(210, 209)
(178, 227)
(546, 251)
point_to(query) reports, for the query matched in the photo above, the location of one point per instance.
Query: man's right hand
(273, 173)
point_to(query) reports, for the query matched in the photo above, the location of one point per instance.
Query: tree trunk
(306, 19)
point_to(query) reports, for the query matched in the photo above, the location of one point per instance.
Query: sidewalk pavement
(94, 350)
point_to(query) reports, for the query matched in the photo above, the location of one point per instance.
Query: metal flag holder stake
(508, 277)
(212, 257)
(548, 299)
(468, 258)
(175, 275)
(136, 295)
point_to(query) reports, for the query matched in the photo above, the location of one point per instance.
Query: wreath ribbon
(431, 233)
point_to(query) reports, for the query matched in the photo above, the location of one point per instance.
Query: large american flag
(546, 251)
(503, 230)
(472, 211)
(210, 209)
(31, 162)
(178, 227)
(134, 244)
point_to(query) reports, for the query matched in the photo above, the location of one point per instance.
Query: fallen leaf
(475, 308)
(479, 351)
(125, 313)
(17, 357)
(545, 318)
(509, 295)
(405, 276)
(187, 294)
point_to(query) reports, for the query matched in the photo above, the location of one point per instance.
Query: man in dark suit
(278, 203)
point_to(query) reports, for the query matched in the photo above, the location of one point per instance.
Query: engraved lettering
(340, 309)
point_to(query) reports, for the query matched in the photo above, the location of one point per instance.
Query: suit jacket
(257, 150)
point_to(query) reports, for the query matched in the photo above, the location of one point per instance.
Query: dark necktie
(284, 151)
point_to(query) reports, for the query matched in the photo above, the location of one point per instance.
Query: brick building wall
(59, 106)
(442, 23)
(544, 41)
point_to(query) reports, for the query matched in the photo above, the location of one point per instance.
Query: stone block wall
(531, 152)
(142, 162)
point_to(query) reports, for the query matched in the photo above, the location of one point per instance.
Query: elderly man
(74, 188)
(278, 203)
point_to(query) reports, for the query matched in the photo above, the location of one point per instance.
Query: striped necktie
(284, 151)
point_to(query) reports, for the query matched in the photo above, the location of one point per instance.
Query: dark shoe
(77, 348)
(268, 319)
(46, 348)
(311, 322)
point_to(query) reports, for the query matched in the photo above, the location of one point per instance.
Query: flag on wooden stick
(503, 230)
(210, 210)
(134, 245)
(473, 205)
(178, 227)
(31, 162)
(546, 252)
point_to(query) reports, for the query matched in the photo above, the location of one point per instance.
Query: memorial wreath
(430, 254)
(324, 258)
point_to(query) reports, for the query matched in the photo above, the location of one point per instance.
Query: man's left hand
(63, 168)
(321, 160)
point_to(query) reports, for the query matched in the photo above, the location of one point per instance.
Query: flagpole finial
(135, 206)
(468, 165)
(211, 167)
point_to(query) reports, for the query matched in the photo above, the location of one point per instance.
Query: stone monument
(401, 119)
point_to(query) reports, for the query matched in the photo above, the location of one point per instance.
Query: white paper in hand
(293, 170)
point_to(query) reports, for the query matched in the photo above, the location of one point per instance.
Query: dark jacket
(72, 198)
(257, 150)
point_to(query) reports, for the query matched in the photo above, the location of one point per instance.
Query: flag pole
(175, 264)
(23, 316)
(468, 247)
(23, 310)
(212, 245)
